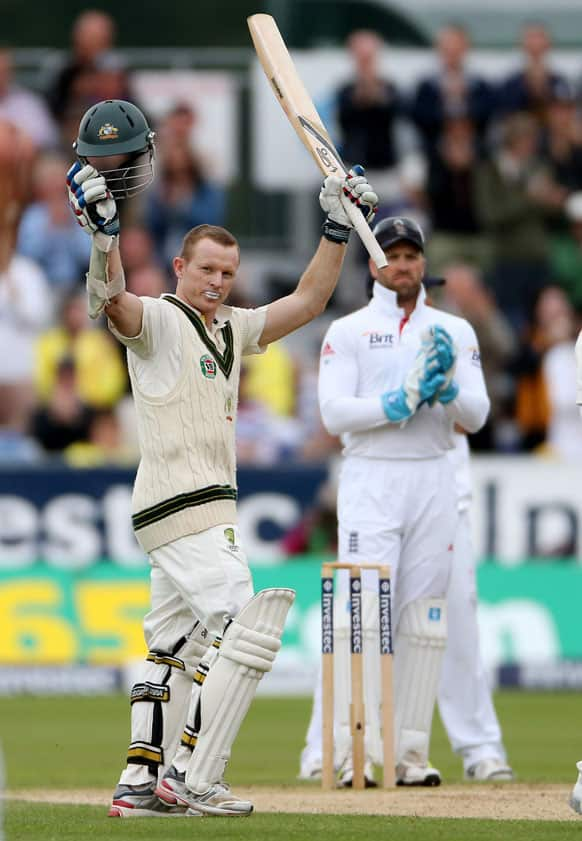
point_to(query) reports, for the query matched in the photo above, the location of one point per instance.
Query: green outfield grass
(79, 743)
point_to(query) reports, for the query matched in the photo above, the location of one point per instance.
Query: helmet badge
(108, 132)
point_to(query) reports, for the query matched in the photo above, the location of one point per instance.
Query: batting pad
(248, 649)
(418, 652)
(159, 705)
(342, 679)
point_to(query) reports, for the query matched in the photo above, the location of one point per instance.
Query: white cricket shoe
(408, 774)
(576, 796)
(218, 800)
(142, 802)
(489, 770)
(310, 770)
(346, 775)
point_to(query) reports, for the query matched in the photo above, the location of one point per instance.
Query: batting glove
(356, 188)
(93, 205)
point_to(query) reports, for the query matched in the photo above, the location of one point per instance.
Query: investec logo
(379, 340)
(385, 617)
(327, 616)
(356, 615)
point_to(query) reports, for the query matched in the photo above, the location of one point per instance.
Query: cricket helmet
(115, 128)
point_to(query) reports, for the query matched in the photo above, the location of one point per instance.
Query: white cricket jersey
(185, 381)
(369, 352)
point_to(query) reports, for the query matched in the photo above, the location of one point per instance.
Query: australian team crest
(108, 132)
(208, 366)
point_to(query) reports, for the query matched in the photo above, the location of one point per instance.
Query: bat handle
(370, 242)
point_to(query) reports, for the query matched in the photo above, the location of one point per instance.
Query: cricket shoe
(576, 796)
(489, 770)
(346, 775)
(142, 802)
(310, 771)
(408, 774)
(218, 800)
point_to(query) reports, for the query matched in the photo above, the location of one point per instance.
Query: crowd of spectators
(493, 170)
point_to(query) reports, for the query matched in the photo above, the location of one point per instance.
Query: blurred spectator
(182, 197)
(465, 295)
(25, 109)
(99, 371)
(531, 88)
(533, 408)
(514, 196)
(48, 232)
(566, 253)
(137, 248)
(104, 445)
(262, 438)
(561, 146)
(450, 190)
(72, 89)
(272, 379)
(148, 280)
(111, 78)
(64, 418)
(559, 372)
(452, 92)
(369, 112)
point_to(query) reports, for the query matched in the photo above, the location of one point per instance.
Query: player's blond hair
(213, 232)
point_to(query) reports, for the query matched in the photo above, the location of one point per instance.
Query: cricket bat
(300, 110)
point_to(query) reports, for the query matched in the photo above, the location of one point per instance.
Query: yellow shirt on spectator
(271, 379)
(99, 369)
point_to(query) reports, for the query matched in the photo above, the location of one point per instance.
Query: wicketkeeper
(395, 377)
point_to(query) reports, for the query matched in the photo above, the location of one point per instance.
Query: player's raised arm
(115, 153)
(319, 280)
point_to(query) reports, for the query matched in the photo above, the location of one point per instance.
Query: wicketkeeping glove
(444, 348)
(422, 384)
(93, 205)
(355, 186)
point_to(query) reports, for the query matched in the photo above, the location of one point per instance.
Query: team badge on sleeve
(208, 366)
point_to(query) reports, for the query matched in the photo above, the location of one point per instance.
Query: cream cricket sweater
(186, 479)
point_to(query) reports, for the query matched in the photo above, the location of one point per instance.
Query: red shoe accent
(166, 794)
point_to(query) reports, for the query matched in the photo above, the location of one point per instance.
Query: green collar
(223, 360)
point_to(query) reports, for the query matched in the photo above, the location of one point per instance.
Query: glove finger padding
(356, 187)
(359, 191)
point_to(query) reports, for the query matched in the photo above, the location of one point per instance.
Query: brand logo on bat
(325, 150)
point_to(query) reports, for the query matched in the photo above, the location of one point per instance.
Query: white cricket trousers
(202, 577)
(400, 512)
(464, 697)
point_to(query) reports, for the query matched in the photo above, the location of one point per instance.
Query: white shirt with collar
(369, 352)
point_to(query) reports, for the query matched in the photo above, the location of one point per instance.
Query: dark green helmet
(114, 127)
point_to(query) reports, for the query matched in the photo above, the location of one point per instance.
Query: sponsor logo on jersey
(434, 614)
(379, 340)
(108, 132)
(327, 350)
(475, 356)
(208, 366)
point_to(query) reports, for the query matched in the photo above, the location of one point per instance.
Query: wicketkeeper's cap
(397, 228)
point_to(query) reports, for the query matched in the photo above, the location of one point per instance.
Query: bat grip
(370, 242)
